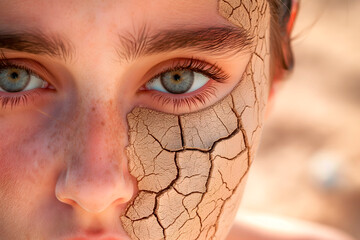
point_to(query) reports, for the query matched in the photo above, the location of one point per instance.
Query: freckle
(35, 152)
(93, 109)
(102, 123)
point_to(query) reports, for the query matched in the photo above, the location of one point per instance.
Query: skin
(197, 195)
(96, 159)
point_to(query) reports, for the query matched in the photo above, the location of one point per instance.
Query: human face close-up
(129, 119)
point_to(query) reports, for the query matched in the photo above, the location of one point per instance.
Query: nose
(96, 175)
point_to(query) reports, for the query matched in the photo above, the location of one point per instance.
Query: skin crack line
(191, 177)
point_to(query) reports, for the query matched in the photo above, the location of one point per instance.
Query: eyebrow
(209, 40)
(36, 42)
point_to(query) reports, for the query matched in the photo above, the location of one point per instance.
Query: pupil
(177, 77)
(14, 75)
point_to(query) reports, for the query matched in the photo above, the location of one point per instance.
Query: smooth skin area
(99, 150)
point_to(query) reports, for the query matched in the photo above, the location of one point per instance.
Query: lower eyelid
(22, 99)
(180, 103)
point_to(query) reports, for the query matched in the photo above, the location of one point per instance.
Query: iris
(177, 82)
(14, 79)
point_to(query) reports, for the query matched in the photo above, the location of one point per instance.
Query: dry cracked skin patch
(191, 169)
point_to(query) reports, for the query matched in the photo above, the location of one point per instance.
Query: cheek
(25, 170)
(20, 150)
(191, 169)
(254, 16)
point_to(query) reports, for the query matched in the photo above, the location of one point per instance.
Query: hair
(280, 14)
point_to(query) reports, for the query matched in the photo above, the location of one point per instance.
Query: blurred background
(308, 165)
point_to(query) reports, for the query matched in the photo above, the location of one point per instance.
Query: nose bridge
(103, 134)
(96, 173)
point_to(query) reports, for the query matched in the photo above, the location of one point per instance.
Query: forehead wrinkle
(37, 42)
(213, 40)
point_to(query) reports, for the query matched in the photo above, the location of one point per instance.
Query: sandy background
(308, 165)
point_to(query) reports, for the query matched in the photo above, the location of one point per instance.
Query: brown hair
(280, 13)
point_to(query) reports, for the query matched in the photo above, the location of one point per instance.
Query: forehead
(93, 14)
(82, 17)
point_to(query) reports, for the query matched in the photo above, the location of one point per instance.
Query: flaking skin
(191, 169)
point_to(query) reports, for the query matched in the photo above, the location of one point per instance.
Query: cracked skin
(191, 169)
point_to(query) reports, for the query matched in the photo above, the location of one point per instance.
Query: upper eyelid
(197, 65)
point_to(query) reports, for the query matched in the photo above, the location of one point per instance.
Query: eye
(14, 79)
(178, 81)
(20, 83)
(183, 85)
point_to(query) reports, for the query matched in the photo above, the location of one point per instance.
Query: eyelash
(210, 70)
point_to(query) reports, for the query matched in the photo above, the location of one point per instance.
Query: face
(129, 119)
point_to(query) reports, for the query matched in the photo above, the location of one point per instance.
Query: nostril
(93, 232)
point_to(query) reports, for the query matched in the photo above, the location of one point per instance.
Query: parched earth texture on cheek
(191, 169)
